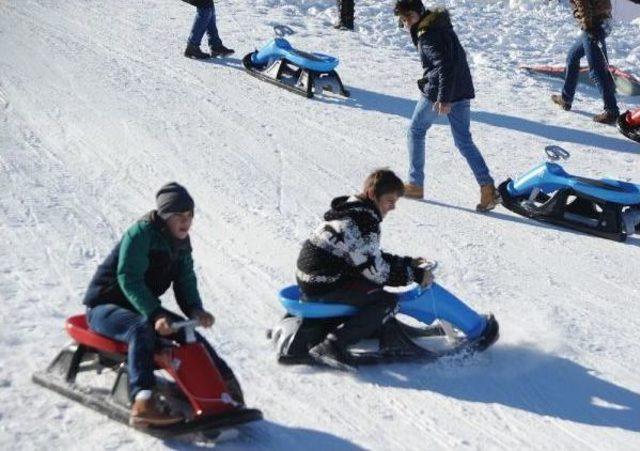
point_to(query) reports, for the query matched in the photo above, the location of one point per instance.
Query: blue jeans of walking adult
(460, 120)
(205, 20)
(134, 329)
(593, 46)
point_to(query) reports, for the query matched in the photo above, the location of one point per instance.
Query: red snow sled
(629, 124)
(626, 83)
(196, 389)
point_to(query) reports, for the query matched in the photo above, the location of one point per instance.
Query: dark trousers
(345, 11)
(593, 46)
(134, 329)
(376, 306)
(205, 21)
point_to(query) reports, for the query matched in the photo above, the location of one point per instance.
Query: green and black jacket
(142, 266)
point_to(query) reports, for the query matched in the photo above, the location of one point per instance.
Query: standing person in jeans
(446, 88)
(205, 20)
(123, 298)
(594, 17)
(342, 262)
(345, 13)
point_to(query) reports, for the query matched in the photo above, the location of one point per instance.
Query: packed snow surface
(98, 109)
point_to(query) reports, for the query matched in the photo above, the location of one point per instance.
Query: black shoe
(343, 26)
(330, 354)
(489, 335)
(606, 117)
(221, 50)
(194, 52)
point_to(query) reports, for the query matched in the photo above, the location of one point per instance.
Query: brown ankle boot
(489, 198)
(605, 117)
(412, 191)
(558, 100)
(144, 413)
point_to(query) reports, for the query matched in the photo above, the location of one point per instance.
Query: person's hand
(162, 325)
(442, 107)
(421, 84)
(205, 318)
(427, 279)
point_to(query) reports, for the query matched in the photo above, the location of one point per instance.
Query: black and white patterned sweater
(347, 246)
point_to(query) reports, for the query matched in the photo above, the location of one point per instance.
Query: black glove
(421, 84)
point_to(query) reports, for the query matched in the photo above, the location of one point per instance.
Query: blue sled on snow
(297, 71)
(606, 208)
(308, 323)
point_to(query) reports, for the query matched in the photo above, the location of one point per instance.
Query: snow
(98, 109)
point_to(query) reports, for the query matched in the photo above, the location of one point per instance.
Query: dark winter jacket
(142, 266)
(200, 3)
(346, 246)
(591, 13)
(446, 77)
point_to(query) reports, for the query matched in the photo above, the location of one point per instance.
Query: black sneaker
(221, 50)
(330, 354)
(194, 52)
(489, 335)
(343, 26)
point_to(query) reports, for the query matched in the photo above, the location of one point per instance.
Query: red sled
(626, 83)
(194, 388)
(629, 124)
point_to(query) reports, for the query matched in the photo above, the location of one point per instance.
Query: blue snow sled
(308, 323)
(548, 193)
(295, 70)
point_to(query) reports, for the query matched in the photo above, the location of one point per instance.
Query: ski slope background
(98, 109)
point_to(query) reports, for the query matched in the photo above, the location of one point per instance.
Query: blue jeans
(589, 45)
(205, 20)
(460, 119)
(132, 328)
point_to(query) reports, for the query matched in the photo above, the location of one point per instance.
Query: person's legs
(376, 305)
(599, 69)
(460, 120)
(212, 31)
(576, 52)
(132, 328)
(422, 119)
(201, 24)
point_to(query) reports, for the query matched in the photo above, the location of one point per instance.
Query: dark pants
(593, 46)
(132, 328)
(345, 11)
(376, 306)
(205, 20)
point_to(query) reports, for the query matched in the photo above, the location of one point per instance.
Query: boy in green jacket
(123, 297)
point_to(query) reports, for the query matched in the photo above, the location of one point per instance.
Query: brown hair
(383, 181)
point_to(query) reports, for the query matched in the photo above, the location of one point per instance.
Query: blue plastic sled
(425, 306)
(297, 71)
(548, 193)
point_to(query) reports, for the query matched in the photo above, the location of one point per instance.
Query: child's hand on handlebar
(162, 325)
(205, 318)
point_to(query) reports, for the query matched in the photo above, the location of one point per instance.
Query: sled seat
(78, 329)
(280, 48)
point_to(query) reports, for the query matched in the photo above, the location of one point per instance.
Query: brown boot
(412, 191)
(558, 100)
(144, 413)
(605, 117)
(489, 198)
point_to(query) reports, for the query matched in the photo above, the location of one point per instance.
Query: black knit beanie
(173, 198)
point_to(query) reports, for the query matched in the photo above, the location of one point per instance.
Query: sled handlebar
(189, 327)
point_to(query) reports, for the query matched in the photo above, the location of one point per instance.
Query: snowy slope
(98, 109)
